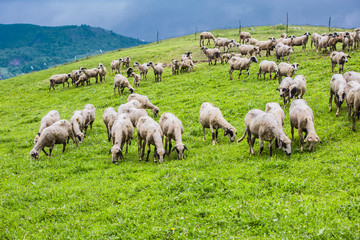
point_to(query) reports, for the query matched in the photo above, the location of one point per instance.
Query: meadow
(215, 192)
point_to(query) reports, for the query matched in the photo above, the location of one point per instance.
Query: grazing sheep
(59, 79)
(102, 71)
(249, 49)
(126, 107)
(298, 89)
(74, 75)
(122, 132)
(302, 118)
(283, 51)
(337, 88)
(89, 115)
(137, 79)
(266, 66)
(265, 127)
(284, 89)
(135, 114)
(243, 36)
(211, 117)
(77, 123)
(175, 67)
(58, 133)
(339, 58)
(94, 72)
(240, 64)
(172, 129)
(352, 76)
(115, 65)
(266, 45)
(275, 109)
(149, 133)
(143, 69)
(145, 102)
(121, 82)
(158, 70)
(223, 42)
(301, 41)
(109, 118)
(51, 117)
(212, 54)
(208, 36)
(251, 41)
(126, 62)
(352, 96)
(82, 79)
(286, 70)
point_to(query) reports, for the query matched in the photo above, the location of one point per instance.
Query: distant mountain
(25, 47)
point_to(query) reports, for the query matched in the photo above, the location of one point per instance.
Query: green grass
(218, 192)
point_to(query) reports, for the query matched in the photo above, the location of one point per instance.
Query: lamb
(302, 118)
(137, 79)
(240, 64)
(51, 117)
(122, 132)
(337, 88)
(126, 107)
(58, 133)
(94, 72)
(115, 65)
(275, 109)
(283, 51)
(74, 75)
(352, 96)
(251, 41)
(212, 54)
(233, 45)
(59, 79)
(265, 127)
(143, 69)
(77, 123)
(223, 42)
(266, 45)
(149, 133)
(175, 67)
(284, 89)
(249, 49)
(186, 56)
(102, 71)
(286, 70)
(211, 117)
(352, 76)
(135, 114)
(173, 129)
(158, 70)
(145, 103)
(121, 82)
(208, 36)
(339, 58)
(298, 89)
(266, 66)
(109, 118)
(244, 35)
(301, 41)
(226, 56)
(89, 115)
(126, 62)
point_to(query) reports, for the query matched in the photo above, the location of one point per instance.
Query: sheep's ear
(293, 92)
(78, 137)
(280, 144)
(167, 154)
(38, 134)
(110, 151)
(174, 149)
(226, 132)
(349, 56)
(185, 148)
(120, 153)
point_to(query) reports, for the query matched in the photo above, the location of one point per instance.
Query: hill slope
(216, 192)
(25, 45)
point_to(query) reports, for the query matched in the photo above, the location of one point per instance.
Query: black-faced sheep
(223, 42)
(89, 115)
(266, 45)
(249, 49)
(126, 62)
(143, 69)
(284, 89)
(121, 82)
(115, 65)
(283, 51)
(77, 122)
(243, 36)
(102, 72)
(301, 41)
(286, 70)
(339, 58)
(91, 73)
(337, 89)
(298, 89)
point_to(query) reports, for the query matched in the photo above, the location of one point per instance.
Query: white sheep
(121, 82)
(223, 42)
(282, 51)
(74, 75)
(275, 109)
(77, 123)
(301, 41)
(284, 89)
(265, 127)
(337, 89)
(145, 102)
(135, 114)
(126, 62)
(137, 79)
(323, 42)
(59, 79)
(173, 129)
(89, 115)
(266, 45)
(175, 67)
(125, 108)
(352, 96)
(266, 66)
(286, 70)
(339, 58)
(158, 70)
(109, 118)
(315, 39)
(115, 65)
(143, 69)
(298, 89)
(251, 41)
(58, 133)
(102, 72)
(302, 118)
(51, 117)
(211, 117)
(90, 73)
(236, 63)
(212, 54)
(188, 64)
(352, 76)
(122, 132)
(208, 36)
(82, 79)
(244, 35)
(249, 49)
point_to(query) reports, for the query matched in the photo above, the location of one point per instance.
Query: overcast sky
(143, 18)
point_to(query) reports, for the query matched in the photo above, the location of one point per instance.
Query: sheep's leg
(143, 148)
(64, 145)
(270, 146)
(354, 119)
(292, 133)
(212, 135)
(265, 76)
(114, 90)
(249, 140)
(301, 138)
(261, 142)
(330, 101)
(148, 151)
(284, 101)
(337, 108)
(155, 153)
(230, 73)
(239, 74)
(257, 78)
(348, 111)
(45, 152)
(339, 65)
(216, 134)
(204, 134)
(139, 146)
(170, 145)
(332, 67)
(121, 91)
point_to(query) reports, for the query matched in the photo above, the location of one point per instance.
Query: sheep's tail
(242, 138)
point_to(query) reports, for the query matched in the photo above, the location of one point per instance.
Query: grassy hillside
(218, 192)
(26, 45)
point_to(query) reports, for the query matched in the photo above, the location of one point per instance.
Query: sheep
(122, 132)
(339, 58)
(58, 133)
(251, 41)
(283, 51)
(211, 117)
(175, 67)
(333, 41)
(137, 79)
(285, 41)
(145, 102)
(186, 56)
(129, 71)
(143, 69)
(337, 88)
(283, 35)
(355, 35)
(243, 36)
(298, 89)
(233, 46)
(121, 82)
(240, 64)
(89, 115)
(212, 54)
(266, 45)
(284, 89)
(265, 127)
(135, 114)
(125, 108)
(352, 96)
(287, 70)
(302, 118)
(172, 129)
(77, 123)
(188, 64)
(102, 71)
(126, 62)
(74, 75)
(149, 133)
(226, 56)
(115, 65)
(82, 79)
(59, 79)
(109, 118)
(323, 42)
(301, 41)
(249, 49)
(275, 109)
(314, 39)
(347, 42)
(208, 36)
(223, 42)
(352, 76)
(266, 66)
(158, 70)
(94, 72)
(51, 117)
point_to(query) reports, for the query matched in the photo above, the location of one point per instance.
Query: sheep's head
(285, 144)
(80, 137)
(82, 69)
(180, 148)
(272, 39)
(150, 64)
(312, 139)
(341, 97)
(292, 91)
(283, 91)
(129, 71)
(34, 154)
(344, 58)
(291, 49)
(36, 139)
(155, 111)
(136, 64)
(231, 132)
(295, 66)
(253, 59)
(131, 90)
(160, 154)
(116, 154)
(121, 60)
(203, 48)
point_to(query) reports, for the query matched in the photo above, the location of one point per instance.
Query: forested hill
(26, 47)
